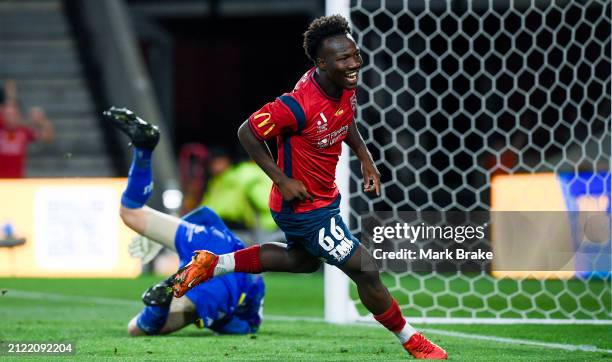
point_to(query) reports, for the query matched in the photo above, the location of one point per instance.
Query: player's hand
(144, 248)
(292, 190)
(371, 177)
(37, 115)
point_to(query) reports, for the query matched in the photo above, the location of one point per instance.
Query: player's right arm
(260, 153)
(272, 120)
(290, 188)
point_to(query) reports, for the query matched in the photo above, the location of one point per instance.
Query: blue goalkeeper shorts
(248, 314)
(322, 232)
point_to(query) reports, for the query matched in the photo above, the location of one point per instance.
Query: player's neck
(326, 85)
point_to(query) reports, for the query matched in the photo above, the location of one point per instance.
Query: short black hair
(2, 97)
(320, 29)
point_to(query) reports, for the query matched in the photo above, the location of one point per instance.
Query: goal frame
(339, 308)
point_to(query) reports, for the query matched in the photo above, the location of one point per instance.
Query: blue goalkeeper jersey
(220, 299)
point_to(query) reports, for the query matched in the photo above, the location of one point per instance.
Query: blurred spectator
(239, 194)
(193, 158)
(15, 136)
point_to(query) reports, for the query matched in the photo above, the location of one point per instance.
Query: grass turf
(446, 295)
(96, 318)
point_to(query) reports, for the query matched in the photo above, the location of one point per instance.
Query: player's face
(341, 60)
(12, 115)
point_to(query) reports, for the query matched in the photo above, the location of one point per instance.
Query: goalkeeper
(230, 304)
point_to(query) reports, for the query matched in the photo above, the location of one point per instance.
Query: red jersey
(13, 150)
(309, 127)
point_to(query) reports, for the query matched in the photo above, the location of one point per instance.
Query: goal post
(339, 308)
(469, 106)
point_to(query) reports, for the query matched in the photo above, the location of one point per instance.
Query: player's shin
(394, 321)
(243, 261)
(152, 319)
(412, 341)
(140, 180)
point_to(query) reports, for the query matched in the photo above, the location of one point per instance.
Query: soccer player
(309, 125)
(229, 304)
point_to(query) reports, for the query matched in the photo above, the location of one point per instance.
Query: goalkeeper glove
(144, 248)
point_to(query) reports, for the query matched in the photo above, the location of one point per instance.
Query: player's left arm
(371, 176)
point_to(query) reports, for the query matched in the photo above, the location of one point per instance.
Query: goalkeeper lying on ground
(229, 304)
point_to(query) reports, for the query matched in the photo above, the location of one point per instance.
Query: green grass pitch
(94, 313)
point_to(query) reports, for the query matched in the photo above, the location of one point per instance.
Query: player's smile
(352, 77)
(341, 61)
(348, 78)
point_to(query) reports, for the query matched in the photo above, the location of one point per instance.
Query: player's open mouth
(351, 76)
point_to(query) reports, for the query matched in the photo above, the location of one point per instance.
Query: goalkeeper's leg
(151, 223)
(144, 220)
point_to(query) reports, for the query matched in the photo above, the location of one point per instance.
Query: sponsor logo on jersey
(322, 123)
(322, 143)
(265, 122)
(333, 138)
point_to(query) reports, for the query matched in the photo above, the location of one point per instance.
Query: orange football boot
(421, 348)
(200, 269)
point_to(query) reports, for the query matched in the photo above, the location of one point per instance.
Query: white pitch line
(21, 294)
(566, 347)
(528, 342)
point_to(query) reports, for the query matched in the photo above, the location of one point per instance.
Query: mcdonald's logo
(265, 121)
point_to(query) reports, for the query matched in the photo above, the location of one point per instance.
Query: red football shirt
(309, 127)
(13, 150)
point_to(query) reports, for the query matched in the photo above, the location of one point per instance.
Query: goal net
(466, 103)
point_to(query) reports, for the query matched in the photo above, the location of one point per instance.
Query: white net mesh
(455, 92)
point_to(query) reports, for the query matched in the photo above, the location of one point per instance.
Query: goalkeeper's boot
(159, 295)
(421, 348)
(142, 134)
(200, 269)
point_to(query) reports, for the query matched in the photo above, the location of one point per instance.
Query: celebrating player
(309, 125)
(229, 304)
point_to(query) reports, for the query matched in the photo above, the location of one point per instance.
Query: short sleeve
(284, 115)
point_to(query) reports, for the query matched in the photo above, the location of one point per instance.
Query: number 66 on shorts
(337, 242)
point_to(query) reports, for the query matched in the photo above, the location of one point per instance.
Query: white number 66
(326, 242)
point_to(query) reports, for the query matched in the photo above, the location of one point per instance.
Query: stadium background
(447, 90)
